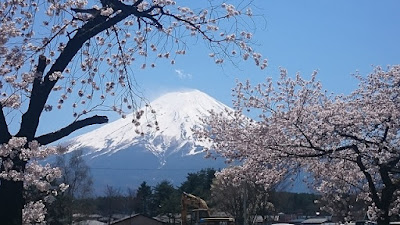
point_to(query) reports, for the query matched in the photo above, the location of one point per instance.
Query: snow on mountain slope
(176, 113)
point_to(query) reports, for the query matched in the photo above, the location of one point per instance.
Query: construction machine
(200, 213)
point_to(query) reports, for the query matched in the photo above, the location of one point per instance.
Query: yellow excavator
(200, 214)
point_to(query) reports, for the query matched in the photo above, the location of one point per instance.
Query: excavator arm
(192, 201)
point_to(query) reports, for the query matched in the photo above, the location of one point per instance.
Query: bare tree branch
(57, 135)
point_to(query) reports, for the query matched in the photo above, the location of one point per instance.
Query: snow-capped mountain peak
(176, 114)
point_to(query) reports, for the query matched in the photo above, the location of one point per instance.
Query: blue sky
(337, 38)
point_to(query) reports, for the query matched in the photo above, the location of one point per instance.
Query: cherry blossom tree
(246, 197)
(348, 144)
(81, 54)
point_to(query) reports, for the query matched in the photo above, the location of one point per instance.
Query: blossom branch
(306, 137)
(321, 153)
(93, 12)
(385, 134)
(188, 22)
(356, 138)
(373, 191)
(41, 90)
(147, 14)
(392, 165)
(30, 118)
(76, 125)
(138, 2)
(54, 36)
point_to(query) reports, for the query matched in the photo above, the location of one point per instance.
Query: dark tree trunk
(384, 206)
(11, 193)
(384, 220)
(387, 195)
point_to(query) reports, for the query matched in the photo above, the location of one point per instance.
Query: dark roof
(315, 221)
(133, 216)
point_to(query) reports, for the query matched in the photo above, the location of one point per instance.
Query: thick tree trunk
(11, 193)
(387, 195)
(11, 202)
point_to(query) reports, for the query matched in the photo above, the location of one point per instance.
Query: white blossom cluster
(34, 212)
(34, 175)
(348, 144)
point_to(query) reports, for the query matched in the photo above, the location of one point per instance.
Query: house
(137, 219)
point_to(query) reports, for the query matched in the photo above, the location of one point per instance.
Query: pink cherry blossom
(348, 144)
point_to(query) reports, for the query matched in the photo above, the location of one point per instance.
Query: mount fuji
(131, 150)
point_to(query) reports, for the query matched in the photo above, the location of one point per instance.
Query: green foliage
(144, 197)
(199, 183)
(166, 198)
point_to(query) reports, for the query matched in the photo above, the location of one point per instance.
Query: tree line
(164, 199)
(161, 199)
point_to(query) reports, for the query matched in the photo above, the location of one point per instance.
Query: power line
(145, 169)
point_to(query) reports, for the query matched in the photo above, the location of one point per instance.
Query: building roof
(133, 216)
(315, 220)
(89, 222)
(282, 224)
